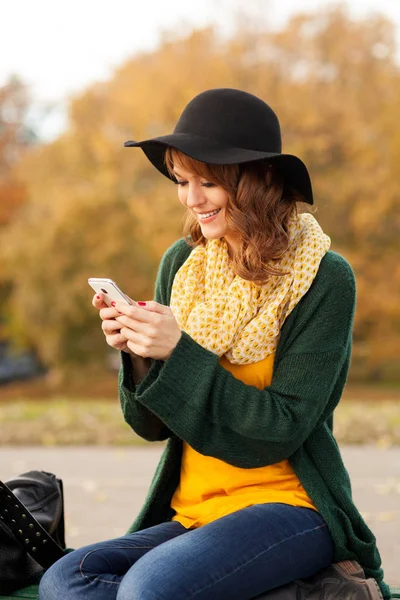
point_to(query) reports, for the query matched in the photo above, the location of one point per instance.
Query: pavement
(104, 488)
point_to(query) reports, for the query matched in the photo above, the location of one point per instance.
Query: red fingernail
(142, 303)
(98, 297)
(112, 303)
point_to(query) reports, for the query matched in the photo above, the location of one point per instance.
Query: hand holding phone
(111, 292)
(155, 342)
(111, 328)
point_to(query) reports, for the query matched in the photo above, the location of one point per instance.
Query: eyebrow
(175, 172)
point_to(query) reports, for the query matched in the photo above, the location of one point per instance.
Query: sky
(60, 47)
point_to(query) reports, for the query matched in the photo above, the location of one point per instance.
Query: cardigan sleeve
(143, 420)
(219, 415)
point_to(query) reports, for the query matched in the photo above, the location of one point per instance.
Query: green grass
(373, 422)
(65, 421)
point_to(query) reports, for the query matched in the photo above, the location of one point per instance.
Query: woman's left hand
(151, 330)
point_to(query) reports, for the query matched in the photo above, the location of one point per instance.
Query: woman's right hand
(111, 327)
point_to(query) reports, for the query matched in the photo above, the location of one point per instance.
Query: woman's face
(207, 202)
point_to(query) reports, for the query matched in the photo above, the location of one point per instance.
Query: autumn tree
(97, 209)
(15, 137)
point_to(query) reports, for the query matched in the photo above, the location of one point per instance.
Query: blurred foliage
(15, 137)
(63, 421)
(96, 209)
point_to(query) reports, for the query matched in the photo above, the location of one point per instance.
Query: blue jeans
(235, 557)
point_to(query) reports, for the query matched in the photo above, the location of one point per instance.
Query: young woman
(239, 363)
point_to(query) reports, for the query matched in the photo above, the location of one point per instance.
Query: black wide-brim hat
(225, 126)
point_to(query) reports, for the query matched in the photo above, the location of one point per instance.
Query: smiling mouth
(208, 215)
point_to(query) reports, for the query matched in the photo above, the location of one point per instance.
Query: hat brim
(202, 149)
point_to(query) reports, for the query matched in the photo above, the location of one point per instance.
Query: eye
(178, 182)
(208, 184)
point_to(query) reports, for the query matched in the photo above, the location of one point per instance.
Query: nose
(195, 195)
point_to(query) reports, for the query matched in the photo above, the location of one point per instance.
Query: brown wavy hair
(259, 208)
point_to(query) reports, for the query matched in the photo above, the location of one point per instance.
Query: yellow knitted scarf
(231, 316)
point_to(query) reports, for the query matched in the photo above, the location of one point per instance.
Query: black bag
(31, 528)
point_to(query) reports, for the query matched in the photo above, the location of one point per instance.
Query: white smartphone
(109, 289)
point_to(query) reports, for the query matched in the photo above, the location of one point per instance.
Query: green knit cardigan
(192, 397)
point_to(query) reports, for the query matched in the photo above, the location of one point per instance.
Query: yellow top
(210, 488)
